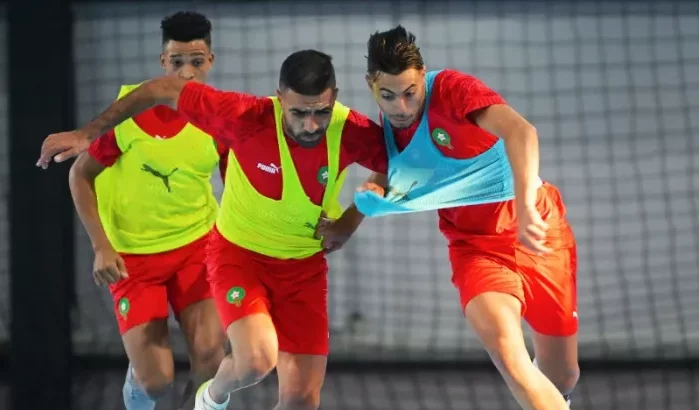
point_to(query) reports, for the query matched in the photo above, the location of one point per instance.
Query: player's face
(400, 97)
(189, 61)
(306, 118)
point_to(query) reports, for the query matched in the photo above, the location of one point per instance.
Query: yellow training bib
(158, 195)
(285, 228)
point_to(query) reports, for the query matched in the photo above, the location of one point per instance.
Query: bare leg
(151, 371)
(300, 381)
(496, 319)
(205, 342)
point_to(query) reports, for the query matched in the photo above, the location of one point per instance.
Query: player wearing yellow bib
(267, 269)
(143, 193)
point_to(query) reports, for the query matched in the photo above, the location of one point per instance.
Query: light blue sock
(134, 396)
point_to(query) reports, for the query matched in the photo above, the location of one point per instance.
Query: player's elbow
(164, 90)
(83, 171)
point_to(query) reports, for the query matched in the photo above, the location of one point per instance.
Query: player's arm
(364, 142)
(522, 144)
(489, 111)
(81, 178)
(212, 110)
(109, 267)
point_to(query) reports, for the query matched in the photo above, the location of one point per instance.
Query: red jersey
(246, 124)
(159, 122)
(454, 96)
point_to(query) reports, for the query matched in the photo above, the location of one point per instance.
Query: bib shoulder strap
(126, 89)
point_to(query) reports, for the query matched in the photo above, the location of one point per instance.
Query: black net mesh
(612, 89)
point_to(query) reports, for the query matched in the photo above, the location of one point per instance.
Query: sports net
(612, 90)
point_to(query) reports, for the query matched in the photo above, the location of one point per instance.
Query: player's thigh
(551, 291)
(475, 272)
(190, 297)
(300, 312)
(148, 348)
(552, 312)
(142, 297)
(300, 379)
(243, 307)
(188, 284)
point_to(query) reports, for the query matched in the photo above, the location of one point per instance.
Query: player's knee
(565, 378)
(158, 383)
(295, 399)
(206, 356)
(256, 365)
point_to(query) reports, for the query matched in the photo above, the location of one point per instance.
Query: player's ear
(369, 83)
(212, 58)
(162, 60)
(279, 94)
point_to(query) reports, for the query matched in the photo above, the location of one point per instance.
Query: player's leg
(253, 356)
(140, 304)
(300, 315)
(492, 297)
(243, 307)
(190, 297)
(301, 378)
(552, 314)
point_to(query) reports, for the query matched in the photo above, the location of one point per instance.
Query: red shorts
(546, 285)
(292, 292)
(177, 277)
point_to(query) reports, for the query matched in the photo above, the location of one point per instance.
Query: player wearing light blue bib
(455, 146)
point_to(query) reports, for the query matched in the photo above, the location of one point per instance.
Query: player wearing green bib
(266, 267)
(143, 193)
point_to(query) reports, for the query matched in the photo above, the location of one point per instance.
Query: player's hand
(63, 146)
(109, 267)
(335, 233)
(375, 188)
(532, 230)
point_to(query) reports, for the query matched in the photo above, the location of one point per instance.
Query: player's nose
(187, 74)
(310, 124)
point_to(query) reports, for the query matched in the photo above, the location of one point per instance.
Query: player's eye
(409, 94)
(176, 63)
(198, 63)
(388, 97)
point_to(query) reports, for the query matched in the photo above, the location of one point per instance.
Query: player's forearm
(163, 90)
(353, 216)
(523, 152)
(82, 188)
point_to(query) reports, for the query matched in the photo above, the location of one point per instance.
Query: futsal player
(144, 195)
(512, 251)
(267, 270)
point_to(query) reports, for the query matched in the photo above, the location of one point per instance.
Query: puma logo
(402, 195)
(157, 174)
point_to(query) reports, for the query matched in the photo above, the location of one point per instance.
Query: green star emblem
(441, 137)
(124, 307)
(235, 295)
(323, 175)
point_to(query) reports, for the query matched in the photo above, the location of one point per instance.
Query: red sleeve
(464, 93)
(223, 159)
(105, 149)
(218, 113)
(364, 142)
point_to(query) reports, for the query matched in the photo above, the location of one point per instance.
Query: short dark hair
(307, 72)
(392, 52)
(186, 26)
